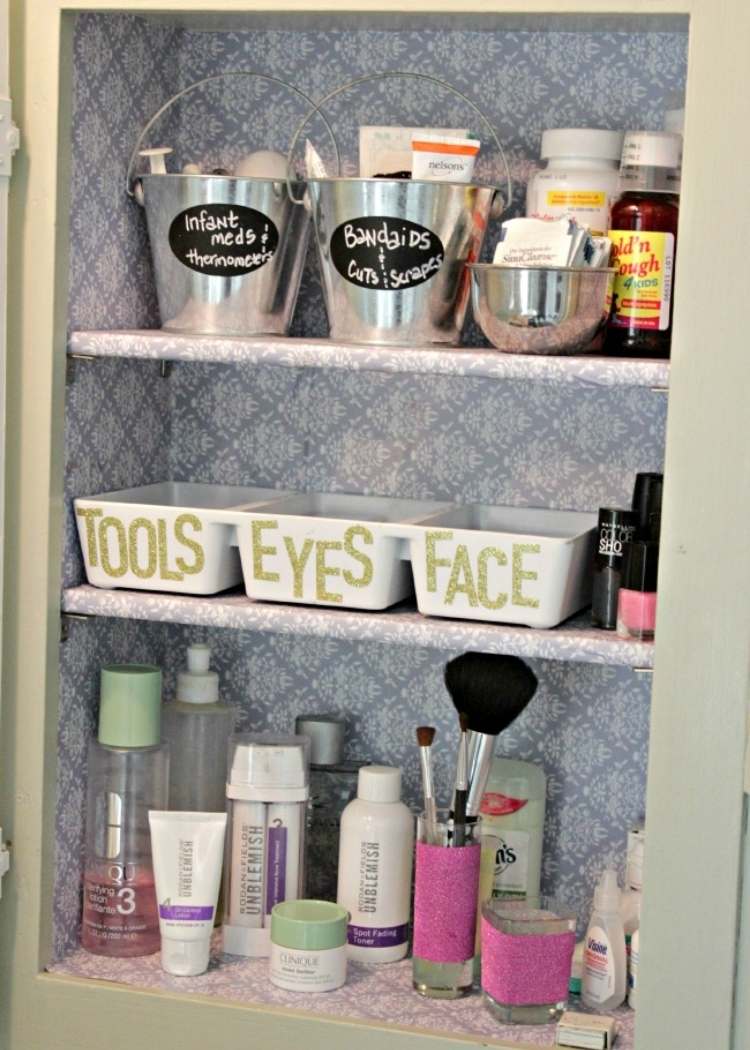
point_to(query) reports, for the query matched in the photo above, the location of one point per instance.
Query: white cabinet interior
(561, 433)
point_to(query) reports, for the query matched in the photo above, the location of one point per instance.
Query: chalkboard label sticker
(223, 240)
(386, 254)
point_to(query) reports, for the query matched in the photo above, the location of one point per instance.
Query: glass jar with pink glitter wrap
(445, 907)
(527, 955)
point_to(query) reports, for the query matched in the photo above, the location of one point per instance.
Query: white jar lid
(651, 149)
(379, 784)
(595, 143)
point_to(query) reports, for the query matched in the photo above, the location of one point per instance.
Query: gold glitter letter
(365, 562)
(501, 559)
(179, 530)
(88, 514)
(117, 525)
(322, 570)
(520, 574)
(433, 562)
(259, 550)
(298, 562)
(135, 525)
(164, 570)
(461, 565)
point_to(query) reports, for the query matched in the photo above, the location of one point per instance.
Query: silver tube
(482, 754)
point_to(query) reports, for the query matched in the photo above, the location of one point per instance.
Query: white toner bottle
(376, 849)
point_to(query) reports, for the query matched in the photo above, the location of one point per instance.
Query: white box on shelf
(504, 564)
(330, 549)
(164, 537)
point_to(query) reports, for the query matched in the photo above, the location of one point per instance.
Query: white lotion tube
(442, 158)
(187, 851)
(283, 854)
(246, 873)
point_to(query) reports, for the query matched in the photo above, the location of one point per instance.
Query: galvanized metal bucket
(228, 252)
(393, 252)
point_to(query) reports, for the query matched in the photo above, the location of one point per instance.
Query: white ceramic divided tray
(164, 537)
(504, 564)
(330, 549)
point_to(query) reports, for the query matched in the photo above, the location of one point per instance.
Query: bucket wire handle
(383, 76)
(130, 178)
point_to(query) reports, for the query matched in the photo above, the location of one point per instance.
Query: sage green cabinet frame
(695, 796)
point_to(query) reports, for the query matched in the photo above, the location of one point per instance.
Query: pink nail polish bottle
(636, 604)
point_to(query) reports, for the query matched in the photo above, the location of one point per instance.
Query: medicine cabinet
(100, 399)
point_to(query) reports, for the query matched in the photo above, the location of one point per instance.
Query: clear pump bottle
(197, 727)
(128, 774)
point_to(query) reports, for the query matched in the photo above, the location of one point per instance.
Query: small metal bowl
(540, 309)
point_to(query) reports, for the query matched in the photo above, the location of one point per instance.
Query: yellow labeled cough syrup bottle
(644, 238)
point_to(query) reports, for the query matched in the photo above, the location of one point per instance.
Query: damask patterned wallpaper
(517, 442)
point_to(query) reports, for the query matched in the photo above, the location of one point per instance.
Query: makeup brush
(492, 691)
(425, 736)
(462, 772)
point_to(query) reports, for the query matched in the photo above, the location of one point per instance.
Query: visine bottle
(376, 851)
(128, 774)
(604, 960)
(197, 727)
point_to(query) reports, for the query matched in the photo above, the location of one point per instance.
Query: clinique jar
(308, 946)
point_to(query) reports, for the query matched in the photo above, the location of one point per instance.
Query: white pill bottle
(581, 179)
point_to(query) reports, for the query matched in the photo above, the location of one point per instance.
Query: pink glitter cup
(527, 954)
(445, 909)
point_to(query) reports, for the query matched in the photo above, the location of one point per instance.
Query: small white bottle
(581, 179)
(604, 960)
(631, 897)
(635, 958)
(376, 851)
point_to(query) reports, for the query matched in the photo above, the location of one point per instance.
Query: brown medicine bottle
(644, 236)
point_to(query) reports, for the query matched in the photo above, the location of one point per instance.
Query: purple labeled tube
(187, 850)
(616, 529)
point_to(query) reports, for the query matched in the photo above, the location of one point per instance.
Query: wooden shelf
(380, 997)
(575, 640)
(158, 345)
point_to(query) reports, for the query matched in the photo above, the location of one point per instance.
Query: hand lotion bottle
(376, 851)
